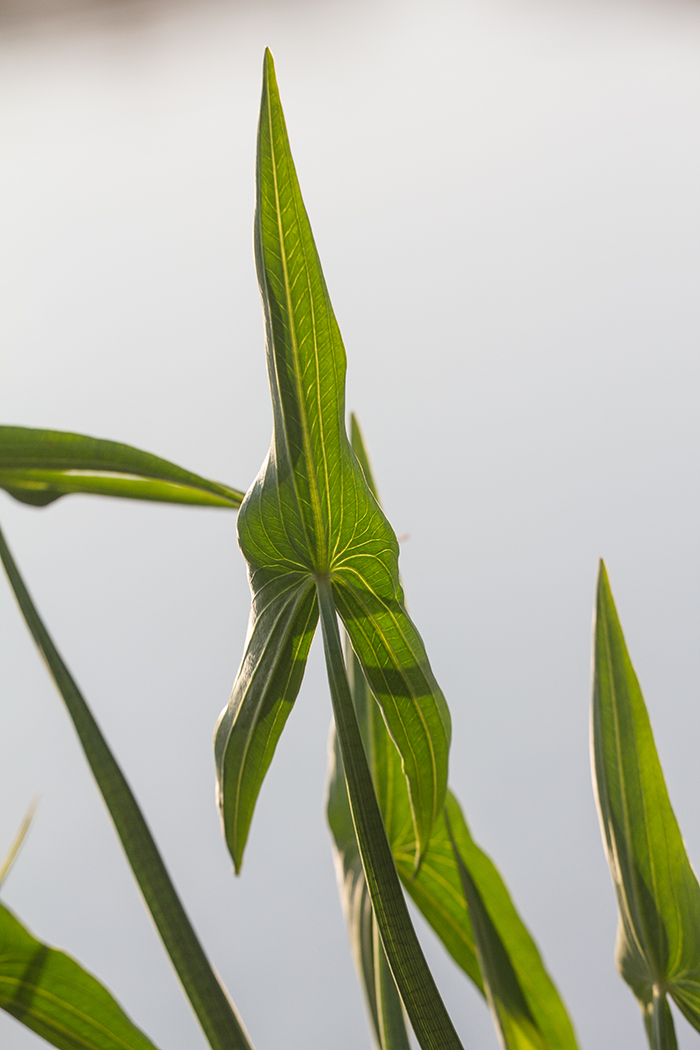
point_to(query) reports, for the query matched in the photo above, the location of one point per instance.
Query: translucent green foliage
(40, 466)
(54, 996)
(310, 516)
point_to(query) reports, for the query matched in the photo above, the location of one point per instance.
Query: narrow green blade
(283, 621)
(658, 948)
(210, 1001)
(310, 514)
(54, 996)
(40, 466)
(383, 1000)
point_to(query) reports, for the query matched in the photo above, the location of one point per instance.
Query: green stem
(421, 998)
(210, 1002)
(390, 1016)
(663, 1033)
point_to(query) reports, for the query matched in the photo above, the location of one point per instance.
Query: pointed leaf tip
(657, 892)
(311, 516)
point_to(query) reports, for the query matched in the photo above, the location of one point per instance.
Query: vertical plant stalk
(210, 1002)
(421, 998)
(390, 1016)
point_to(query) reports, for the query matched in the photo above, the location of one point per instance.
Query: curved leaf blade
(282, 625)
(40, 466)
(658, 896)
(54, 996)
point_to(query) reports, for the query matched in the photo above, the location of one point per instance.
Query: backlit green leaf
(40, 466)
(310, 515)
(54, 996)
(658, 946)
(526, 1007)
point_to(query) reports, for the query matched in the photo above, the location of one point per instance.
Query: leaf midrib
(313, 487)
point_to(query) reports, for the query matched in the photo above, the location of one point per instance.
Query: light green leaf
(658, 947)
(54, 996)
(209, 999)
(40, 466)
(310, 514)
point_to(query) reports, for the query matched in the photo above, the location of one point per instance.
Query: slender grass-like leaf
(658, 896)
(209, 1000)
(54, 996)
(40, 466)
(311, 516)
(383, 1000)
(16, 845)
(421, 999)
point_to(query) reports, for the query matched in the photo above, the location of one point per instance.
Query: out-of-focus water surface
(505, 198)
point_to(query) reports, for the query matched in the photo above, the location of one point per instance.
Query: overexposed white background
(505, 198)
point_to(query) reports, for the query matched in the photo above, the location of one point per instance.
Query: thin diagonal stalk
(210, 1002)
(421, 998)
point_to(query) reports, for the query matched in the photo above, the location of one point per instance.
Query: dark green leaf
(210, 1002)
(40, 466)
(310, 514)
(383, 1000)
(54, 996)
(658, 948)
(421, 999)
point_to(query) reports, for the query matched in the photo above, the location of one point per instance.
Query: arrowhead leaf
(658, 946)
(310, 516)
(40, 466)
(54, 996)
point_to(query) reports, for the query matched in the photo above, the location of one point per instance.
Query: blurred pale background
(505, 198)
